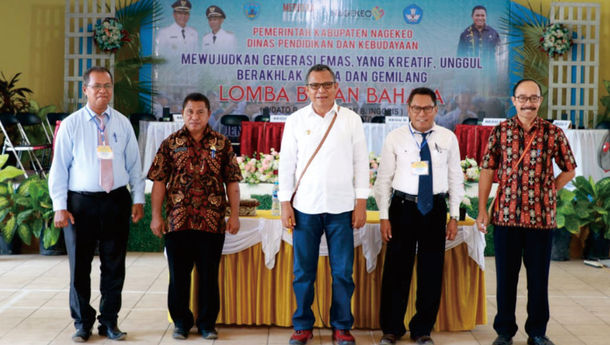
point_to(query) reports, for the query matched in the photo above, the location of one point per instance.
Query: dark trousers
(184, 249)
(98, 218)
(411, 230)
(534, 246)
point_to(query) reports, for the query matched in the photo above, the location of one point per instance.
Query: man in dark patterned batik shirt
(190, 171)
(521, 149)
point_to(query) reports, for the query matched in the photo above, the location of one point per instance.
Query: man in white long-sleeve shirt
(331, 199)
(420, 164)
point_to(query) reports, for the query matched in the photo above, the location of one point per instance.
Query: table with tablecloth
(256, 277)
(151, 135)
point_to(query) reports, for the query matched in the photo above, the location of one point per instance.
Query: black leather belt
(101, 194)
(413, 198)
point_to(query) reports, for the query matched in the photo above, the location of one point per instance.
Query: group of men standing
(324, 185)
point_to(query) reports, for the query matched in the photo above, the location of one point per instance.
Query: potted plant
(12, 246)
(13, 99)
(28, 211)
(588, 215)
(568, 223)
(593, 207)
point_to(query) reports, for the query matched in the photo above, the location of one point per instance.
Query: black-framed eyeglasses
(326, 85)
(417, 109)
(532, 99)
(98, 87)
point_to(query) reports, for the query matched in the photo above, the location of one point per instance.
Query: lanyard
(101, 129)
(424, 141)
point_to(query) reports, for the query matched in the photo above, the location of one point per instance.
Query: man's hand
(157, 225)
(386, 230)
(482, 221)
(288, 220)
(137, 212)
(359, 214)
(233, 223)
(62, 217)
(451, 229)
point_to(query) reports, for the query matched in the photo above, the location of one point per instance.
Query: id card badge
(104, 152)
(420, 168)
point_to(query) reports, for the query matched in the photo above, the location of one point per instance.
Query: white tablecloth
(585, 144)
(376, 133)
(151, 136)
(270, 233)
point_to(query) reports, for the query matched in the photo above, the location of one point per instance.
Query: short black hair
(96, 69)
(196, 97)
(478, 7)
(422, 91)
(319, 68)
(523, 81)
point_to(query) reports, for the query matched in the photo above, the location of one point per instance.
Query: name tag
(420, 168)
(104, 152)
(492, 121)
(563, 124)
(278, 118)
(396, 119)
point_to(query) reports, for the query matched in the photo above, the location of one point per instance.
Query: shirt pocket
(117, 141)
(439, 152)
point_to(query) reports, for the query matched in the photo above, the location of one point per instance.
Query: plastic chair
(231, 127)
(471, 121)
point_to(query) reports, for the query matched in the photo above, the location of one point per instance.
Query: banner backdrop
(250, 55)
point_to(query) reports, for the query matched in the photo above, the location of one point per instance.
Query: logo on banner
(377, 13)
(251, 9)
(412, 14)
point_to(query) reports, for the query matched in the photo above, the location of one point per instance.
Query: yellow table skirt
(251, 294)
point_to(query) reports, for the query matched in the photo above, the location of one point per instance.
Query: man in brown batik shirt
(190, 172)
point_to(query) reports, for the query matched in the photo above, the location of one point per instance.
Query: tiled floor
(34, 307)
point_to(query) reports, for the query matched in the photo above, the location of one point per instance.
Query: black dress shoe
(388, 339)
(539, 340)
(424, 340)
(180, 334)
(81, 335)
(503, 340)
(113, 333)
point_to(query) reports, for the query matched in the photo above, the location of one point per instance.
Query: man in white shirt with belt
(331, 199)
(420, 164)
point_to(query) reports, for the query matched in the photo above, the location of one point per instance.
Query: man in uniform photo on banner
(170, 43)
(219, 39)
(324, 161)
(520, 150)
(96, 156)
(420, 167)
(190, 172)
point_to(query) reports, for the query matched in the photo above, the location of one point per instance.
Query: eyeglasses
(427, 109)
(98, 87)
(327, 85)
(532, 99)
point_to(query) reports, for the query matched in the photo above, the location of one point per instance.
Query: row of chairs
(15, 129)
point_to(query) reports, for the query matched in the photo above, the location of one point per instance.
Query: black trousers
(98, 218)
(411, 230)
(534, 246)
(184, 249)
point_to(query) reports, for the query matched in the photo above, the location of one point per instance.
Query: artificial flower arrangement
(373, 166)
(471, 170)
(109, 35)
(556, 39)
(260, 168)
